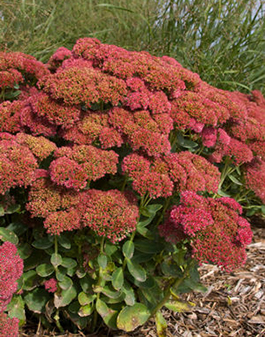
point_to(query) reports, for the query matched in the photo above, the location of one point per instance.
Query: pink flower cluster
(8, 326)
(11, 268)
(17, 165)
(217, 233)
(50, 285)
(18, 68)
(74, 166)
(255, 178)
(176, 172)
(112, 214)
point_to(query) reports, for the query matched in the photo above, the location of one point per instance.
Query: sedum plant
(120, 174)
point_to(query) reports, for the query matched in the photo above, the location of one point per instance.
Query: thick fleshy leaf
(178, 306)
(64, 241)
(60, 273)
(65, 297)
(43, 243)
(110, 249)
(117, 279)
(8, 235)
(108, 315)
(130, 318)
(24, 250)
(13, 209)
(129, 294)
(107, 291)
(56, 260)
(16, 309)
(74, 307)
(148, 247)
(145, 232)
(44, 269)
(136, 271)
(2, 211)
(151, 210)
(30, 280)
(86, 310)
(85, 299)
(161, 325)
(140, 257)
(18, 228)
(128, 249)
(149, 283)
(65, 283)
(67, 262)
(36, 300)
(86, 283)
(102, 261)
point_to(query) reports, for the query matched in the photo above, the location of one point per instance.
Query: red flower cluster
(11, 268)
(19, 68)
(8, 326)
(17, 165)
(51, 285)
(75, 85)
(217, 233)
(255, 178)
(76, 165)
(112, 214)
(162, 176)
(10, 116)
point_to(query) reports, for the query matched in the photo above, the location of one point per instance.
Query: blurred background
(222, 40)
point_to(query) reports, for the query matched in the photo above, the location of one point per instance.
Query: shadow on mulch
(234, 304)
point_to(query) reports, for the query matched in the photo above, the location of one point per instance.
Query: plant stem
(173, 283)
(124, 183)
(95, 316)
(163, 211)
(57, 321)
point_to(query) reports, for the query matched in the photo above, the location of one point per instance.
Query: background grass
(222, 40)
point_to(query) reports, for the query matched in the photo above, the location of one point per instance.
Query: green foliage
(119, 285)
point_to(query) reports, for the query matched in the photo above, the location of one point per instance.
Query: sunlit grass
(222, 40)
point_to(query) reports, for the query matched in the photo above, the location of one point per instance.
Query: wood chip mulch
(234, 304)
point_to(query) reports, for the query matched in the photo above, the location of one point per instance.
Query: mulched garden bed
(234, 304)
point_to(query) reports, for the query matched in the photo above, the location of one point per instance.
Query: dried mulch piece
(234, 304)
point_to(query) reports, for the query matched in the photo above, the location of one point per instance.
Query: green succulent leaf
(43, 243)
(16, 309)
(56, 259)
(161, 325)
(18, 228)
(85, 299)
(24, 250)
(64, 241)
(44, 269)
(8, 235)
(130, 318)
(102, 261)
(68, 263)
(108, 315)
(36, 300)
(136, 271)
(86, 310)
(65, 283)
(30, 280)
(128, 249)
(117, 279)
(65, 298)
